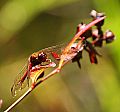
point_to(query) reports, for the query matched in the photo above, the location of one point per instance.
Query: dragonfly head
(38, 58)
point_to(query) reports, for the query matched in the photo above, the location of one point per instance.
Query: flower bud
(109, 36)
(95, 15)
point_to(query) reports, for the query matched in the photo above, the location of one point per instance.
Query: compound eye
(42, 57)
(34, 60)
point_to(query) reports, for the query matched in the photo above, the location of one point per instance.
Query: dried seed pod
(95, 33)
(97, 38)
(93, 58)
(92, 52)
(77, 58)
(109, 36)
(87, 34)
(94, 14)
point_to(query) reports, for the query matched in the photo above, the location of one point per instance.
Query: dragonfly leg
(33, 85)
(36, 77)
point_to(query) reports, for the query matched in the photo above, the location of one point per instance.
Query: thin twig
(61, 63)
(17, 101)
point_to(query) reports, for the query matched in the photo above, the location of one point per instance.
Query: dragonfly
(37, 63)
(34, 69)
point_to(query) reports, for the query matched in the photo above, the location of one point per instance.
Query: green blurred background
(27, 26)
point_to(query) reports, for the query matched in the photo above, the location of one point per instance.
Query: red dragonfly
(37, 63)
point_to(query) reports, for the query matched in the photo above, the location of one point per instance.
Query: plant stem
(62, 62)
(17, 101)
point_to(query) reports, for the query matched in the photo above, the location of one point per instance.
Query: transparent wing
(54, 49)
(21, 81)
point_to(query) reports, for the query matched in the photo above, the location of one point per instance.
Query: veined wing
(21, 80)
(57, 49)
